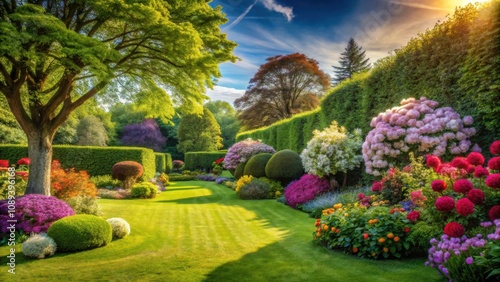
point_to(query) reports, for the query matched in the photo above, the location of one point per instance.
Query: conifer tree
(352, 60)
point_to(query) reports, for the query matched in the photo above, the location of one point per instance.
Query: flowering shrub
(206, 177)
(34, 213)
(119, 226)
(113, 194)
(144, 190)
(220, 180)
(24, 161)
(305, 189)
(254, 190)
(332, 150)
(244, 180)
(39, 246)
(416, 126)
(67, 184)
(243, 151)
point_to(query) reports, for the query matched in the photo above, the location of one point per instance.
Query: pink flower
(454, 229)
(413, 216)
(462, 186)
(465, 207)
(460, 162)
(495, 147)
(481, 171)
(377, 186)
(494, 213)
(438, 185)
(475, 158)
(445, 204)
(433, 161)
(476, 196)
(493, 181)
(494, 163)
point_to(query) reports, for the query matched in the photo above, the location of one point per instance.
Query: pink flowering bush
(34, 213)
(416, 126)
(305, 189)
(243, 151)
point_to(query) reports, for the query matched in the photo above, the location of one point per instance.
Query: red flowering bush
(438, 185)
(495, 148)
(462, 186)
(445, 204)
(476, 196)
(454, 229)
(475, 158)
(494, 213)
(67, 184)
(24, 161)
(377, 186)
(305, 189)
(4, 163)
(464, 207)
(433, 162)
(493, 181)
(481, 171)
(460, 162)
(413, 216)
(494, 163)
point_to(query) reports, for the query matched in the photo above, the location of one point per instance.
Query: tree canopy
(283, 86)
(199, 133)
(225, 115)
(352, 60)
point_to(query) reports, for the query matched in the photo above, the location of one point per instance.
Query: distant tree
(283, 86)
(123, 115)
(91, 132)
(145, 134)
(352, 60)
(10, 132)
(199, 133)
(225, 115)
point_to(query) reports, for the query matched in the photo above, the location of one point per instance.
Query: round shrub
(254, 190)
(243, 151)
(256, 166)
(34, 213)
(285, 165)
(39, 246)
(120, 227)
(80, 232)
(240, 170)
(144, 190)
(305, 189)
(128, 172)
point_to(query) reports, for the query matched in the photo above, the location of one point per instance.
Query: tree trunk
(40, 154)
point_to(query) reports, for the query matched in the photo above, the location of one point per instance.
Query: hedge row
(163, 162)
(467, 81)
(201, 160)
(94, 160)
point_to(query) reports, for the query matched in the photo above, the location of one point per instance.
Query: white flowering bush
(243, 151)
(120, 227)
(332, 150)
(39, 246)
(416, 126)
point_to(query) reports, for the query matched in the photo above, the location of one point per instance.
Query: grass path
(200, 231)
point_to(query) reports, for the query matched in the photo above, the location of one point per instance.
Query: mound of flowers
(243, 151)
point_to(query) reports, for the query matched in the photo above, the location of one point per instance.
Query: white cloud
(273, 6)
(225, 94)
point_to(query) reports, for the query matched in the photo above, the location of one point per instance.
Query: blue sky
(320, 29)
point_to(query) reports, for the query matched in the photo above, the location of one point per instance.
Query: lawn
(200, 231)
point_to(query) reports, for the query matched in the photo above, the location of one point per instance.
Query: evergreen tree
(352, 61)
(199, 133)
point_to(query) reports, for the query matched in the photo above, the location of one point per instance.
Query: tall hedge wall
(201, 160)
(163, 162)
(95, 160)
(457, 63)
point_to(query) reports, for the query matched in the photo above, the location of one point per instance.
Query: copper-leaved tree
(55, 55)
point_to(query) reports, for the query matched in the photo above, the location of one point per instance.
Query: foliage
(163, 178)
(201, 160)
(225, 115)
(305, 189)
(256, 165)
(85, 205)
(80, 232)
(284, 165)
(242, 181)
(120, 227)
(207, 177)
(128, 172)
(10, 131)
(421, 234)
(240, 170)
(104, 181)
(114, 194)
(39, 246)
(316, 206)
(254, 190)
(368, 232)
(66, 184)
(91, 132)
(20, 185)
(417, 126)
(177, 164)
(275, 188)
(34, 213)
(283, 86)
(145, 134)
(332, 150)
(352, 61)
(181, 177)
(144, 190)
(163, 162)
(199, 133)
(242, 152)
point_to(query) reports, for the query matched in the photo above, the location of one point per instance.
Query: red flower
(433, 161)
(361, 196)
(377, 186)
(22, 174)
(493, 181)
(454, 229)
(475, 158)
(495, 148)
(462, 186)
(476, 196)
(494, 163)
(4, 163)
(465, 207)
(413, 216)
(471, 169)
(438, 185)
(494, 212)
(481, 171)
(24, 161)
(219, 160)
(460, 162)
(445, 204)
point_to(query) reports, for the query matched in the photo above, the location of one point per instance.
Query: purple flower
(243, 151)
(469, 260)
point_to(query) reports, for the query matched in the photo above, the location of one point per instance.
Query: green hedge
(163, 162)
(201, 160)
(94, 160)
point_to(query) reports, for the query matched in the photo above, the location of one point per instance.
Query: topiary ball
(120, 227)
(39, 246)
(285, 166)
(256, 166)
(80, 232)
(240, 170)
(144, 190)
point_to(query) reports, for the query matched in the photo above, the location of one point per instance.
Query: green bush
(180, 177)
(201, 160)
(163, 162)
(105, 181)
(255, 190)
(256, 165)
(80, 232)
(275, 188)
(85, 205)
(144, 190)
(285, 166)
(94, 160)
(240, 170)
(421, 234)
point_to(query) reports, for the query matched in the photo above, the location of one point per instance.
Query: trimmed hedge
(163, 162)
(201, 160)
(95, 160)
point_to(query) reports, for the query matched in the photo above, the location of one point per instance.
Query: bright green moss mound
(285, 165)
(256, 166)
(80, 232)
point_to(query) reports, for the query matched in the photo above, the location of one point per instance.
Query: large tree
(91, 132)
(352, 60)
(55, 55)
(225, 115)
(283, 86)
(199, 133)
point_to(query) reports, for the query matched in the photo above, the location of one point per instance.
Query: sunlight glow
(465, 2)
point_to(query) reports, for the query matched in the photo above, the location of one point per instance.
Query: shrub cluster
(305, 189)
(144, 190)
(39, 246)
(66, 184)
(128, 172)
(120, 227)
(201, 160)
(242, 152)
